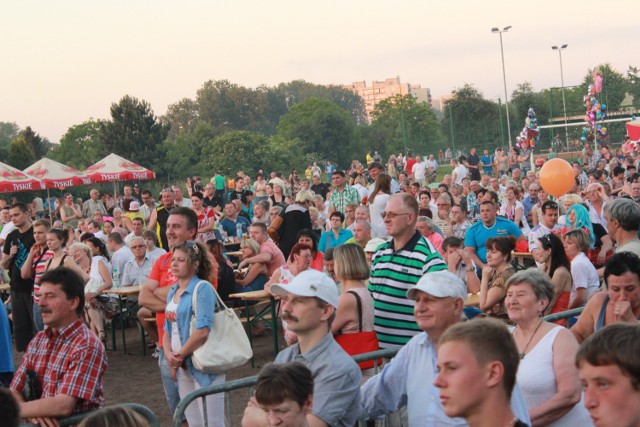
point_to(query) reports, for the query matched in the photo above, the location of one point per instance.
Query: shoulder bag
(359, 342)
(227, 345)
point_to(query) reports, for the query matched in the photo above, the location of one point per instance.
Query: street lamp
(564, 104)
(504, 78)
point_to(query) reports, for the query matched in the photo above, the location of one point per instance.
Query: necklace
(529, 342)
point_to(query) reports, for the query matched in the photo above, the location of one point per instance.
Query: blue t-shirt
(487, 160)
(478, 234)
(230, 226)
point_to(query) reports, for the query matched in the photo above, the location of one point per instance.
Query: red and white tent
(115, 168)
(13, 180)
(56, 175)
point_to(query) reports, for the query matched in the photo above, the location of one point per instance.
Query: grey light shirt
(336, 377)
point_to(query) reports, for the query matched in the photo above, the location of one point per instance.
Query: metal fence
(251, 381)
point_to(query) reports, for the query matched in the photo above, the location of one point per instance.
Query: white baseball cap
(440, 284)
(373, 244)
(310, 283)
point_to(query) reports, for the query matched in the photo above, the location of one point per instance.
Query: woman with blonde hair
(255, 276)
(585, 277)
(355, 306)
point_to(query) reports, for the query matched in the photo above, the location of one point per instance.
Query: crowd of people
(379, 256)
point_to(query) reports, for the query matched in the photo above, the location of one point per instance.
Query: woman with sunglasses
(190, 262)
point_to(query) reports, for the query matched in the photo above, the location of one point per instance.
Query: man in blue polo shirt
(489, 226)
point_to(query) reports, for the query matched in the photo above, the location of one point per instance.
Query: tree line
(228, 127)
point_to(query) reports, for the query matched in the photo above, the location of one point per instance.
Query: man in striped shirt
(396, 267)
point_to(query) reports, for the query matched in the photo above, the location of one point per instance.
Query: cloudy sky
(64, 62)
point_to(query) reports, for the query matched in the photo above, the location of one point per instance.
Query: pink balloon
(598, 84)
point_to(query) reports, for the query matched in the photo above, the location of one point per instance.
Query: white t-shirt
(419, 170)
(171, 314)
(461, 173)
(584, 275)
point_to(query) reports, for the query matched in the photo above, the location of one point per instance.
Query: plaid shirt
(340, 200)
(71, 361)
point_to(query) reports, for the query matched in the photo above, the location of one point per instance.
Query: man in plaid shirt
(62, 369)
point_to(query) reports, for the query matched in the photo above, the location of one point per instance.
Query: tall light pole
(504, 78)
(564, 104)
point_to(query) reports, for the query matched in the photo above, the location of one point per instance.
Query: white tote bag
(227, 345)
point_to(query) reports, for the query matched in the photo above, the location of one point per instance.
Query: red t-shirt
(410, 163)
(161, 272)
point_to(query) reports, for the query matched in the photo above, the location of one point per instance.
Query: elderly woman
(494, 276)
(308, 237)
(547, 374)
(585, 277)
(620, 302)
(255, 277)
(427, 228)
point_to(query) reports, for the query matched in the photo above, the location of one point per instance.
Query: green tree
(320, 126)
(186, 152)
(182, 116)
(20, 154)
(402, 123)
(39, 146)
(249, 151)
(8, 131)
(476, 121)
(134, 132)
(80, 145)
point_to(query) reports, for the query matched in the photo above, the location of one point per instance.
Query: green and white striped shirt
(392, 274)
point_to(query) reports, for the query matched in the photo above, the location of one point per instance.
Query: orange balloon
(556, 177)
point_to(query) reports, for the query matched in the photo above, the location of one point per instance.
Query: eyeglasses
(392, 215)
(442, 204)
(138, 246)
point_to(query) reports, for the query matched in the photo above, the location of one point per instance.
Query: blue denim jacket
(205, 304)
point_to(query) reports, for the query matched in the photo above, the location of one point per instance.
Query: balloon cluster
(530, 135)
(595, 111)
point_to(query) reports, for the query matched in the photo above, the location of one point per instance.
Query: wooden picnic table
(234, 253)
(5, 287)
(124, 291)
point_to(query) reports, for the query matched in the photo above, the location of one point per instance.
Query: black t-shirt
(233, 195)
(24, 241)
(320, 189)
(211, 203)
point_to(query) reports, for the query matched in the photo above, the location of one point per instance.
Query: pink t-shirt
(277, 258)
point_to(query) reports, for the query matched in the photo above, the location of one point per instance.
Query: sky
(65, 62)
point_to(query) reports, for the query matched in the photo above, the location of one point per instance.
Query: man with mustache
(309, 305)
(62, 370)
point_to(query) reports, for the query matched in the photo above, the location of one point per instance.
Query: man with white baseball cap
(309, 304)
(408, 378)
